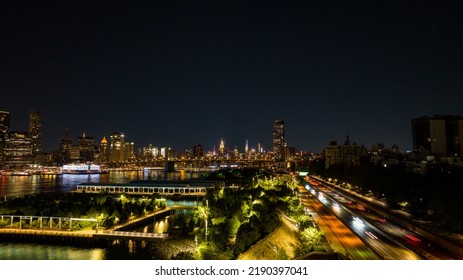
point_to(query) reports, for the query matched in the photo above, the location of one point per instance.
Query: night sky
(182, 73)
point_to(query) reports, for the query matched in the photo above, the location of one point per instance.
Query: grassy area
(284, 238)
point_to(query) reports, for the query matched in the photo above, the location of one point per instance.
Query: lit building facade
(129, 148)
(438, 135)
(87, 148)
(198, 151)
(278, 139)
(4, 129)
(65, 148)
(346, 155)
(222, 150)
(35, 131)
(18, 149)
(117, 145)
(104, 150)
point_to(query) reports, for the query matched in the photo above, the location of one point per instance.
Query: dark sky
(181, 73)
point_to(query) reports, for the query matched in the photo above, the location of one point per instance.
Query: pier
(58, 229)
(167, 188)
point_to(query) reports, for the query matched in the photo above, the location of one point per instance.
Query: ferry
(82, 169)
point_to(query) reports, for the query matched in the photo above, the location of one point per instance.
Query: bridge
(131, 235)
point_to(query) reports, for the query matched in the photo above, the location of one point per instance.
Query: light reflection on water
(32, 251)
(23, 185)
(159, 226)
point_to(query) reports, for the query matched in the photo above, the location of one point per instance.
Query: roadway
(340, 237)
(397, 228)
(384, 246)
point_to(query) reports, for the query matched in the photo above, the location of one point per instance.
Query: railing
(183, 191)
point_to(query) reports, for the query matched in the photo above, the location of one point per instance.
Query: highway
(385, 222)
(383, 246)
(340, 237)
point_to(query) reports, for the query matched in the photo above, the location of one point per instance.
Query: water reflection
(21, 185)
(159, 226)
(32, 251)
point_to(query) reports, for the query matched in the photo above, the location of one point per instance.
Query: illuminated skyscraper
(129, 148)
(222, 148)
(35, 131)
(65, 148)
(116, 149)
(4, 129)
(104, 150)
(278, 138)
(86, 146)
(18, 149)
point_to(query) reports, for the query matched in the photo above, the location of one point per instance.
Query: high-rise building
(345, 155)
(222, 150)
(65, 148)
(438, 135)
(104, 150)
(35, 131)
(129, 148)
(278, 138)
(87, 148)
(198, 151)
(4, 129)
(18, 149)
(116, 148)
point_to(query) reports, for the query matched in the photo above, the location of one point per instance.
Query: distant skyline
(207, 146)
(182, 73)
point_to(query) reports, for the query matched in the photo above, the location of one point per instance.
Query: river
(24, 185)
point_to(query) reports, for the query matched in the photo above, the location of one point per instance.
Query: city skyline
(208, 147)
(181, 74)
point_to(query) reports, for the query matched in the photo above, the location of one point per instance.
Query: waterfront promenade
(119, 232)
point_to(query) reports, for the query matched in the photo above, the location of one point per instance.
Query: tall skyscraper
(35, 131)
(438, 135)
(65, 148)
(129, 148)
(116, 148)
(86, 148)
(103, 150)
(4, 129)
(18, 149)
(222, 150)
(278, 138)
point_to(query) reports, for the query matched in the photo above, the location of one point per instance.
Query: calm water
(23, 185)
(20, 185)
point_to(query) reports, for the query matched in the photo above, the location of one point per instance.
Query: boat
(83, 169)
(15, 173)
